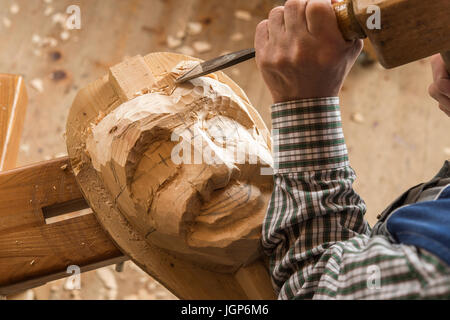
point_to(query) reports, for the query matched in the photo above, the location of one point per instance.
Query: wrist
(304, 93)
(308, 136)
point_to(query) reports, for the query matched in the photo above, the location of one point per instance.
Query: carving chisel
(217, 64)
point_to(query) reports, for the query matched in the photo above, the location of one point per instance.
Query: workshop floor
(396, 135)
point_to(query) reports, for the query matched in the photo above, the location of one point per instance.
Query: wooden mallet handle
(401, 39)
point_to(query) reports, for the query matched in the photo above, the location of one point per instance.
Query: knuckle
(432, 91)
(276, 11)
(280, 60)
(262, 25)
(318, 7)
(292, 4)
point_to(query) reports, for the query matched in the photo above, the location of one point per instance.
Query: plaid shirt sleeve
(320, 245)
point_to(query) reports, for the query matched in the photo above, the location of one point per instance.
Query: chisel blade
(217, 64)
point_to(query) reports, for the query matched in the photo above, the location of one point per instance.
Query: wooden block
(13, 104)
(130, 78)
(34, 251)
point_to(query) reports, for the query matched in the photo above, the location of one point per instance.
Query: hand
(301, 52)
(440, 89)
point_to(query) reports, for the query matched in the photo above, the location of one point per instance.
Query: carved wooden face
(185, 166)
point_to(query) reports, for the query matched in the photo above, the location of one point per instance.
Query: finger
(276, 23)
(438, 67)
(261, 35)
(443, 100)
(320, 16)
(358, 46)
(446, 111)
(443, 86)
(295, 15)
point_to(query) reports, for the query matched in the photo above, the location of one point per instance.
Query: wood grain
(13, 105)
(33, 252)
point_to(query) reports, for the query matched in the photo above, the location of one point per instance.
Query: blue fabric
(425, 225)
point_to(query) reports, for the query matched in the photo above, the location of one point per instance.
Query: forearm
(314, 204)
(315, 232)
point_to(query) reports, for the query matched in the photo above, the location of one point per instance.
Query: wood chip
(173, 42)
(358, 118)
(186, 50)
(194, 28)
(36, 39)
(6, 22)
(65, 35)
(202, 46)
(14, 9)
(37, 52)
(237, 36)
(180, 34)
(243, 15)
(107, 277)
(236, 72)
(38, 85)
(109, 281)
(59, 18)
(48, 11)
(25, 148)
(447, 151)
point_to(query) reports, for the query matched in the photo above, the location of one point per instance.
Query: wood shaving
(173, 42)
(236, 72)
(202, 46)
(59, 18)
(35, 38)
(6, 22)
(194, 28)
(109, 281)
(14, 9)
(48, 11)
(358, 118)
(243, 15)
(181, 34)
(37, 52)
(38, 85)
(447, 151)
(237, 36)
(186, 50)
(25, 148)
(65, 35)
(44, 42)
